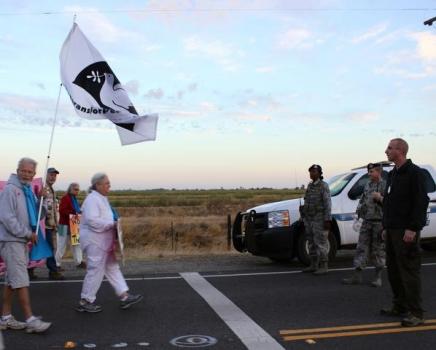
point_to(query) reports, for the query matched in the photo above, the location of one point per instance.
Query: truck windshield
(337, 183)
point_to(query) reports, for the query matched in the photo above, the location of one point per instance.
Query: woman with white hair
(97, 239)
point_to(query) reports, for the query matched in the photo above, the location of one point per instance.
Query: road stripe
(344, 328)
(359, 333)
(249, 332)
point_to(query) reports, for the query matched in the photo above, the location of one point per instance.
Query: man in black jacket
(404, 215)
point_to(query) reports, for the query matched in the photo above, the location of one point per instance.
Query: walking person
(18, 223)
(404, 215)
(51, 222)
(370, 242)
(68, 205)
(97, 237)
(316, 213)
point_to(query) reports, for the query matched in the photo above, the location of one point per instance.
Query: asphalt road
(228, 302)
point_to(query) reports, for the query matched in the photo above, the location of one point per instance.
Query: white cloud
(223, 54)
(265, 69)
(425, 46)
(255, 117)
(298, 39)
(132, 86)
(154, 93)
(364, 117)
(371, 33)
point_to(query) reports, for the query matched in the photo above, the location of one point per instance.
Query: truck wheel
(303, 248)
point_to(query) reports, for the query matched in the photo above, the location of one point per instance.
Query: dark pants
(50, 262)
(404, 271)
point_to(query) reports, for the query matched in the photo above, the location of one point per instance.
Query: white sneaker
(11, 323)
(37, 326)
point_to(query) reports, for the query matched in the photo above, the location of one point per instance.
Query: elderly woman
(68, 206)
(97, 239)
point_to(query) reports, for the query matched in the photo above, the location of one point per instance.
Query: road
(228, 302)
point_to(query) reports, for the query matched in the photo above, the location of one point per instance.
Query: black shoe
(55, 276)
(131, 299)
(86, 306)
(412, 321)
(394, 312)
(82, 265)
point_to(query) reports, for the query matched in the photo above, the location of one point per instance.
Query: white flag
(96, 93)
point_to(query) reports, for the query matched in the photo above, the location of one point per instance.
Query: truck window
(338, 183)
(357, 189)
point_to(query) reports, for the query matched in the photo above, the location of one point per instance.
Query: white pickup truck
(275, 230)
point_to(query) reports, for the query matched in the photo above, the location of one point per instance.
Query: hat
(52, 170)
(373, 165)
(316, 167)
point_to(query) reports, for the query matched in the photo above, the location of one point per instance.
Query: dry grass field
(164, 222)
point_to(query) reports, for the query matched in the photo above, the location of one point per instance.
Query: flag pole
(44, 178)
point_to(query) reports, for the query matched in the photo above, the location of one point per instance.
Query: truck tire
(303, 248)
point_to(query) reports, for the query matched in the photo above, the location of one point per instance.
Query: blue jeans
(50, 262)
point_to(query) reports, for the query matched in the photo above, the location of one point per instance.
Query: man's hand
(327, 225)
(409, 236)
(34, 238)
(383, 235)
(376, 196)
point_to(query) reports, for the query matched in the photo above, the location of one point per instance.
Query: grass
(161, 222)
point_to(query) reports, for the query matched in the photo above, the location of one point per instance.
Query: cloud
(255, 117)
(39, 85)
(364, 117)
(132, 86)
(297, 39)
(371, 33)
(425, 46)
(265, 69)
(154, 93)
(38, 111)
(221, 53)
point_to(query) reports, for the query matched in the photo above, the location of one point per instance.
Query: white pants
(99, 265)
(63, 241)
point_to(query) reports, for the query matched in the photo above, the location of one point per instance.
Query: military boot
(313, 265)
(377, 282)
(322, 269)
(356, 278)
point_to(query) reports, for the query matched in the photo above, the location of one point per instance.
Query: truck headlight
(278, 218)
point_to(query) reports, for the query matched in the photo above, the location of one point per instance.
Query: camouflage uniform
(370, 242)
(317, 210)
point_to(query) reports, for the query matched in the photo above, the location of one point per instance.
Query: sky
(249, 93)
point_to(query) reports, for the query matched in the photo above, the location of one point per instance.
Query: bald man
(405, 205)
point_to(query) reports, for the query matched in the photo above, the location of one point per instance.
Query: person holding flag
(18, 225)
(98, 232)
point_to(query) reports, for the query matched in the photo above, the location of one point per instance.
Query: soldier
(370, 242)
(316, 214)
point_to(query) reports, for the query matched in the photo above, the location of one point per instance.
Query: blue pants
(50, 262)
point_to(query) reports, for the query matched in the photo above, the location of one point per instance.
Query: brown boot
(55, 276)
(322, 270)
(313, 265)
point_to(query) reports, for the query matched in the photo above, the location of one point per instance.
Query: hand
(383, 235)
(327, 225)
(409, 236)
(376, 196)
(34, 238)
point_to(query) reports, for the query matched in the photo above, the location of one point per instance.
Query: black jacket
(405, 201)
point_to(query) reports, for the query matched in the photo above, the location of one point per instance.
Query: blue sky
(249, 93)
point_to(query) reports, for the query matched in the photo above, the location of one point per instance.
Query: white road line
(251, 334)
(292, 272)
